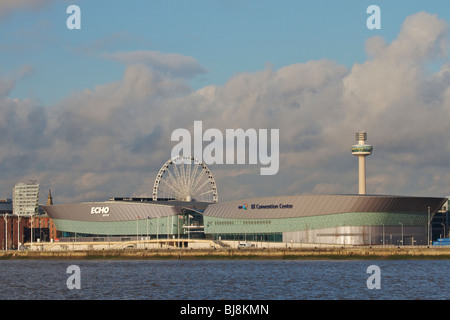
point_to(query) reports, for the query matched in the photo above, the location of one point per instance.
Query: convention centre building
(185, 206)
(330, 219)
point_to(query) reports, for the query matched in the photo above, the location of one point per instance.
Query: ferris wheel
(184, 178)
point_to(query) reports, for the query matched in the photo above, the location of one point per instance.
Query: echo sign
(104, 211)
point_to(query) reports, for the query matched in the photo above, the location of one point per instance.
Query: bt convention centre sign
(266, 206)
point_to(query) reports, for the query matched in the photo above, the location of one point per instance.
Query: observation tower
(361, 150)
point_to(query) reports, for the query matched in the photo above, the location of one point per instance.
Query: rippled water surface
(232, 280)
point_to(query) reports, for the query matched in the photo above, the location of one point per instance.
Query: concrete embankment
(247, 253)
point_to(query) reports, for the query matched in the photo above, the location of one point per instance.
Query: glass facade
(187, 225)
(346, 228)
(362, 149)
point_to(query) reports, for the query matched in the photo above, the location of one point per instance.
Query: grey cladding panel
(313, 205)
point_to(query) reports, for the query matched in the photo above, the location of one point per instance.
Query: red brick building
(14, 229)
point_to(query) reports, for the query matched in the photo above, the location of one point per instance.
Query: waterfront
(224, 280)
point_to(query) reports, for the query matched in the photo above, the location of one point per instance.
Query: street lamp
(402, 232)
(5, 216)
(31, 231)
(18, 232)
(428, 228)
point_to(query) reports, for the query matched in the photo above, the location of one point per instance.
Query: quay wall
(239, 253)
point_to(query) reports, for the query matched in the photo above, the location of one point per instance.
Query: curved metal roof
(313, 205)
(119, 210)
(255, 208)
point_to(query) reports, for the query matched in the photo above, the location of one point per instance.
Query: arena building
(185, 206)
(330, 219)
(129, 219)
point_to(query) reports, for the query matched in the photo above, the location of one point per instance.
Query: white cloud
(8, 82)
(173, 64)
(112, 139)
(8, 6)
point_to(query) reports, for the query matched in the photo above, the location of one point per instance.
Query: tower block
(362, 150)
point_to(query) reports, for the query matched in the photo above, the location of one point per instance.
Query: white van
(246, 245)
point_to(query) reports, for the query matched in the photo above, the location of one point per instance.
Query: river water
(224, 280)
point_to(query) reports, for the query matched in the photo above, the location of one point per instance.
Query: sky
(89, 112)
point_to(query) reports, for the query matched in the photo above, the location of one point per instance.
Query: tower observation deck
(361, 150)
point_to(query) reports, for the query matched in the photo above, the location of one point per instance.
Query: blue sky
(89, 113)
(225, 37)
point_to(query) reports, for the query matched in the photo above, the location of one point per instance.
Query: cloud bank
(8, 6)
(172, 64)
(112, 139)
